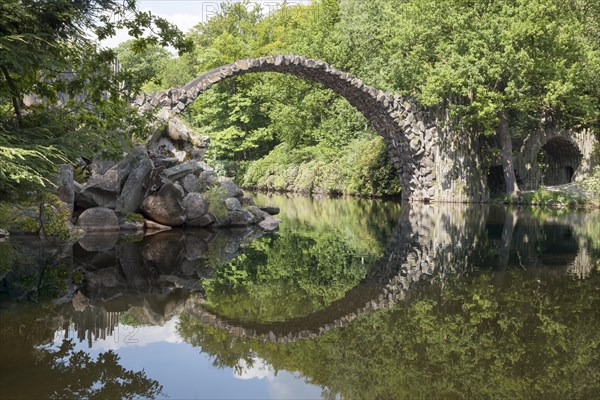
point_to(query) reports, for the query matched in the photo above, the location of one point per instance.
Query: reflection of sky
(186, 373)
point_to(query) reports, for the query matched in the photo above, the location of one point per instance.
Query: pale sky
(187, 13)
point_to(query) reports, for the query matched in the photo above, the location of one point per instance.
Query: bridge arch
(409, 133)
(565, 148)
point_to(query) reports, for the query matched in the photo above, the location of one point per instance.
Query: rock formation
(166, 184)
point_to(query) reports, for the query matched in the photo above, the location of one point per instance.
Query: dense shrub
(360, 168)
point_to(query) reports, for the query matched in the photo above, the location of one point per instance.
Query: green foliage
(266, 284)
(55, 218)
(520, 57)
(44, 214)
(152, 67)
(65, 372)
(59, 96)
(546, 198)
(323, 249)
(256, 121)
(592, 184)
(21, 165)
(535, 62)
(131, 319)
(215, 196)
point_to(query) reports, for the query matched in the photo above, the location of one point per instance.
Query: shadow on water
(365, 299)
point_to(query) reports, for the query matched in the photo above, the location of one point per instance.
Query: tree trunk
(510, 221)
(507, 157)
(15, 95)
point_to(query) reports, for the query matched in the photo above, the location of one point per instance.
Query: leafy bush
(592, 184)
(45, 213)
(360, 168)
(544, 197)
(216, 201)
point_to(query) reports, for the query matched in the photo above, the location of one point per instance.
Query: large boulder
(230, 188)
(134, 190)
(195, 206)
(178, 140)
(190, 167)
(207, 178)
(270, 209)
(190, 183)
(107, 182)
(236, 218)
(102, 190)
(259, 215)
(202, 222)
(178, 131)
(233, 204)
(65, 188)
(99, 165)
(126, 166)
(89, 198)
(166, 207)
(98, 219)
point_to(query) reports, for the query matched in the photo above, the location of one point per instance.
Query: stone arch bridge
(432, 164)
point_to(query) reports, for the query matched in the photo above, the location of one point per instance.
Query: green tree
(48, 58)
(495, 62)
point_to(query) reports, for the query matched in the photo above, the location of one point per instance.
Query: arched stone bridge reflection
(417, 139)
(428, 241)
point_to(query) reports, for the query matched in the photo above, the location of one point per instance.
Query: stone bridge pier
(433, 164)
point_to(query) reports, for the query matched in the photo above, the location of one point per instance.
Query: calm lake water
(350, 299)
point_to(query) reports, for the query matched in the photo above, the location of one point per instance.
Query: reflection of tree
(533, 335)
(293, 274)
(65, 373)
(365, 224)
(226, 350)
(35, 270)
(33, 367)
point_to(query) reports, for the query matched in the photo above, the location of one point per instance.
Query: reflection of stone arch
(428, 241)
(569, 155)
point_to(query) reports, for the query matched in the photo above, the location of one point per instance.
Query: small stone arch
(560, 159)
(568, 156)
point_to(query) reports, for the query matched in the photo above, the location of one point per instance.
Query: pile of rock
(161, 186)
(146, 190)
